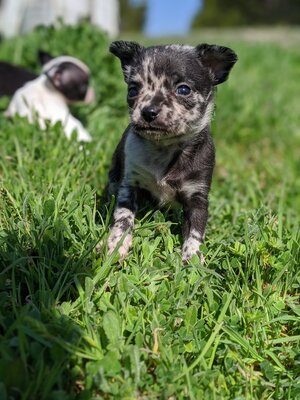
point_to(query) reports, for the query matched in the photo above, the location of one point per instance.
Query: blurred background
(151, 17)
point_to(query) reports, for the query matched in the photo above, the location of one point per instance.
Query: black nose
(149, 113)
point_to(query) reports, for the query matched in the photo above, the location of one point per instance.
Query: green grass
(76, 325)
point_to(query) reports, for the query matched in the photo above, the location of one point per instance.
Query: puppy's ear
(127, 52)
(55, 76)
(44, 57)
(218, 59)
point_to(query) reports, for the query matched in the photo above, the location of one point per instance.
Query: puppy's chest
(146, 167)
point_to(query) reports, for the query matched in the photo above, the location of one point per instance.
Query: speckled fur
(170, 157)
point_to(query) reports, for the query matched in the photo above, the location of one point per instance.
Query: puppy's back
(13, 77)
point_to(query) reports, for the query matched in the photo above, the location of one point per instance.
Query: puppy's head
(70, 77)
(170, 88)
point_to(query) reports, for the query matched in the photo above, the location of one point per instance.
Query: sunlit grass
(76, 325)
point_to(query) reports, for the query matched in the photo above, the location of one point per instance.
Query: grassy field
(77, 325)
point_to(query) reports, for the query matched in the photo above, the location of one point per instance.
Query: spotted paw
(191, 248)
(99, 247)
(115, 237)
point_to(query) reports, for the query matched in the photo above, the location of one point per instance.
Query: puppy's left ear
(218, 59)
(55, 76)
(127, 52)
(44, 57)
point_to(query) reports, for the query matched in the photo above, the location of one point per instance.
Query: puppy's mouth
(152, 131)
(160, 135)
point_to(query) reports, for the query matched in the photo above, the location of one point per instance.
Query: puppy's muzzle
(150, 113)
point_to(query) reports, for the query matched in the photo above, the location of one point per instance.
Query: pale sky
(170, 17)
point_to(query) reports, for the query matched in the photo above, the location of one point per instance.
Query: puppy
(64, 80)
(167, 150)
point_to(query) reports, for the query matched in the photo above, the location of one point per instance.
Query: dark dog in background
(13, 77)
(64, 80)
(167, 149)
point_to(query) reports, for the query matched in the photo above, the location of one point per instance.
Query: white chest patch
(145, 166)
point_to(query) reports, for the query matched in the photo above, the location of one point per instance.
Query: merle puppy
(167, 149)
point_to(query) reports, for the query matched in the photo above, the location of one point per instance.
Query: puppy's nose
(149, 113)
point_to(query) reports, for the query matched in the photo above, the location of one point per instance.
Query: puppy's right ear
(44, 57)
(127, 52)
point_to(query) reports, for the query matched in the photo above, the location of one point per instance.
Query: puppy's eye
(133, 91)
(183, 90)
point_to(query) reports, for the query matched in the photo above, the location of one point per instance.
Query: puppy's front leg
(123, 221)
(195, 210)
(72, 124)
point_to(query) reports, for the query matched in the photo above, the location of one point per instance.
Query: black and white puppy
(167, 149)
(64, 80)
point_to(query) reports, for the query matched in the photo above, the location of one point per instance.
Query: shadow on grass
(40, 343)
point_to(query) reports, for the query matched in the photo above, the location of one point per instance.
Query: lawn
(78, 325)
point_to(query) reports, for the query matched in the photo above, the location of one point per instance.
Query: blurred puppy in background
(64, 80)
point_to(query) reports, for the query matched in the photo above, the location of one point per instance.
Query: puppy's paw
(191, 248)
(99, 247)
(115, 237)
(83, 136)
(187, 256)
